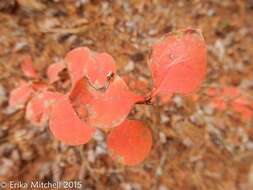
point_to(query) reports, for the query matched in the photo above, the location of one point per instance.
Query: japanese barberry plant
(98, 98)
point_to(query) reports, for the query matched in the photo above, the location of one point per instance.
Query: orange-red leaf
(130, 142)
(109, 109)
(67, 126)
(95, 66)
(105, 109)
(27, 67)
(20, 95)
(38, 108)
(77, 60)
(178, 62)
(53, 71)
(81, 93)
(99, 70)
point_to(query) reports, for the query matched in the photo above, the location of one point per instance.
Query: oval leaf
(105, 109)
(77, 61)
(82, 62)
(130, 142)
(178, 62)
(66, 125)
(38, 108)
(100, 70)
(20, 95)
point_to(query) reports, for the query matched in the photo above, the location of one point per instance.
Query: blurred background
(195, 146)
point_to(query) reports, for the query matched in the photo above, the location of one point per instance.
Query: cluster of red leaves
(231, 97)
(99, 98)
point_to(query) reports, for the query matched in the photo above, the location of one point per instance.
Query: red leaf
(27, 67)
(66, 125)
(20, 95)
(81, 93)
(38, 108)
(130, 142)
(77, 63)
(111, 108)
(99, 70)
(178, 62)
(95, 66)
(53, 71)
(105, 109)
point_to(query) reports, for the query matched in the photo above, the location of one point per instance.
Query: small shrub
(99, 97)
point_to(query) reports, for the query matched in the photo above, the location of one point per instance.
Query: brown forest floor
(194, 147)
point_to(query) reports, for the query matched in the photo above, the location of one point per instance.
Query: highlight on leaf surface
(82, 62)
(38, 108)
(178, 62)
(130, 142)
(54, 70)
(105, 109)
(66, 126)
(20, 95)
(27, 67)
